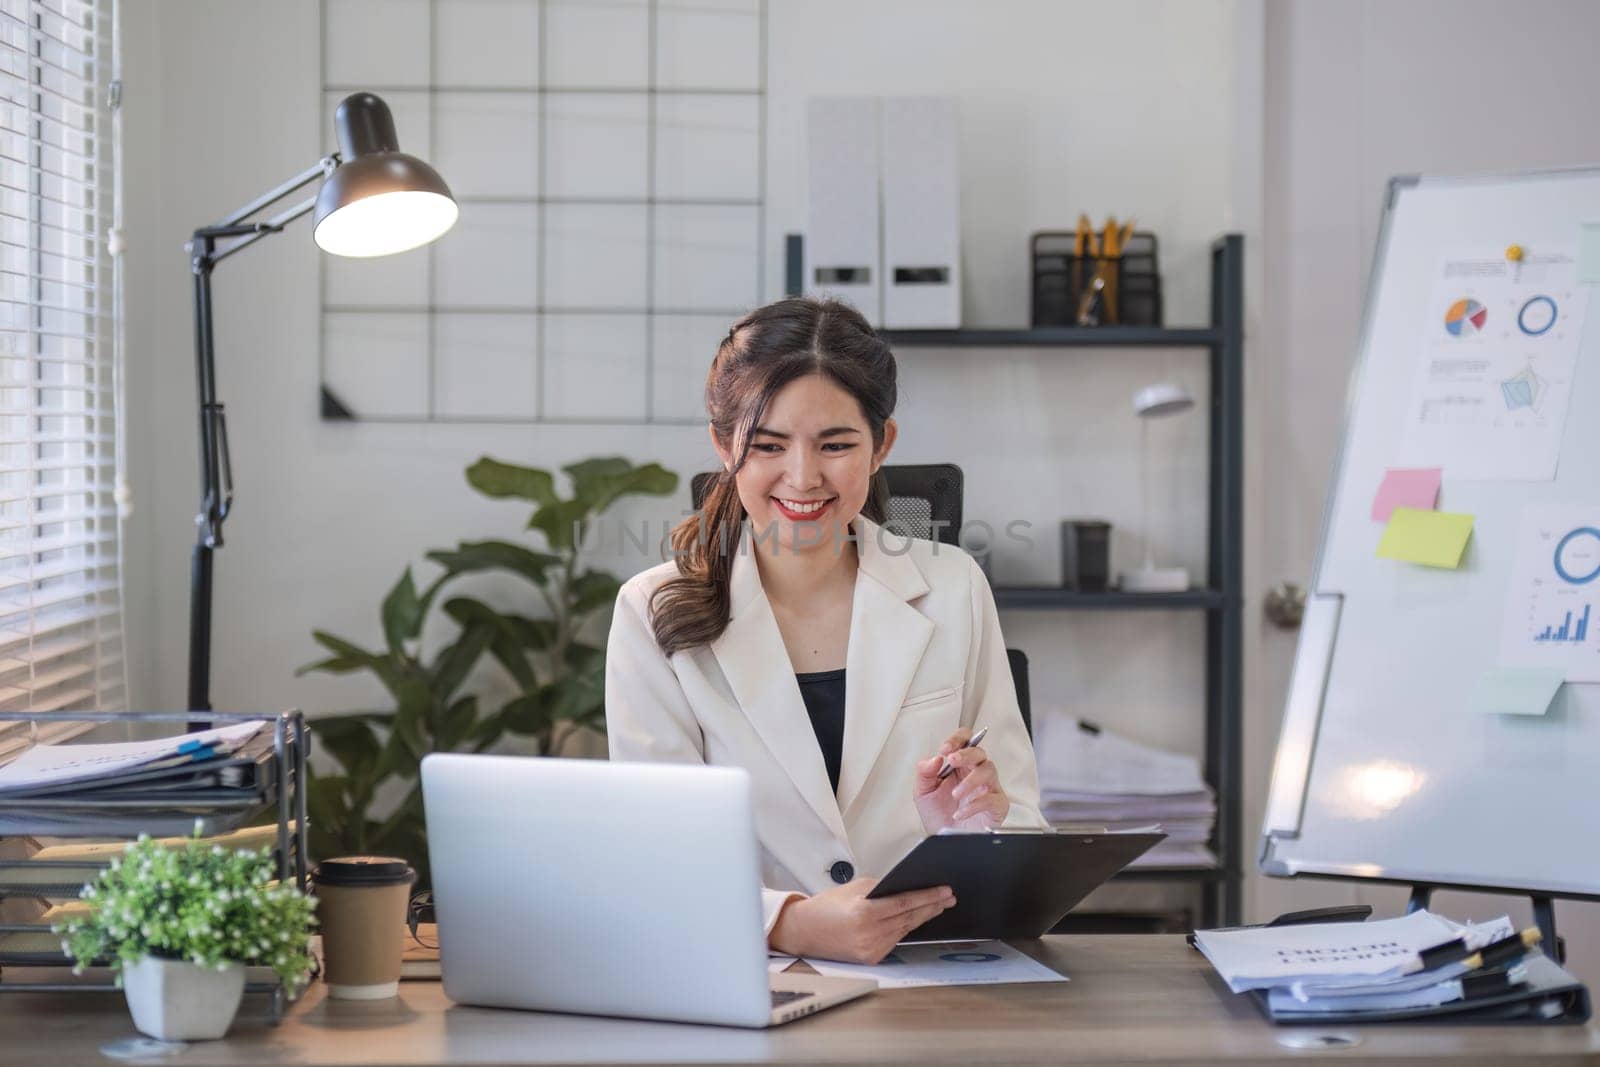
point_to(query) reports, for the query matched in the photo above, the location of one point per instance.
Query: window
(61, 644)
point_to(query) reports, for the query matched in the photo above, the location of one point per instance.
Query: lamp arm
(216, 475)
(320, 169)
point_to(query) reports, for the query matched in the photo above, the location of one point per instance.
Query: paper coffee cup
(361, 912)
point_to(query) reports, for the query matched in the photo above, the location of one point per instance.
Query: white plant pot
(176, 1000)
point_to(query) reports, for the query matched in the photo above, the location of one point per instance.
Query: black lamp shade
(379, 200)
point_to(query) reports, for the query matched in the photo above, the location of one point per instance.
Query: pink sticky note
(1406, 488)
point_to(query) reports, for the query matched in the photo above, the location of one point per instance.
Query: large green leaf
(589, 474)
(587, 659)
(351, 741)
(576, 694)
(455, 660)
(597, 483)
(457, 724)
(558, 521)
(527, 714)
(472, 556)
(328, 811)
(336, 665)
(402, 614)
(536, 634)
(591, 590)
(414, 716)
(507, 644)
(397, 758)
(344, 652)
(486, 732)
(493, 478)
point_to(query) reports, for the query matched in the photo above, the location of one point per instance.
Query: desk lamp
(375, 200)
(1154, 402)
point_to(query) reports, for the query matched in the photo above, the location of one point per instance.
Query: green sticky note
(1517, 690)
(1431, 538)
(1589, 253)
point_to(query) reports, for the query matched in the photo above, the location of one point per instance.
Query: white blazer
(925, 656)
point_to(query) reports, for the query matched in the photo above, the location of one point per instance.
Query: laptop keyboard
(780, 997)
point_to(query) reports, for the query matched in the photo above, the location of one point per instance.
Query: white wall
(328, 514)
(1316, 104)
(1356, 93)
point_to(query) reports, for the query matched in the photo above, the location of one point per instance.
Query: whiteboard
(1383, 770)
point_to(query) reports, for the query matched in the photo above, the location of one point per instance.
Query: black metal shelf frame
(1051, 598)
(282, 796)
(1223, 598)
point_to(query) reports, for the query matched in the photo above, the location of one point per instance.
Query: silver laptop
(607, 889)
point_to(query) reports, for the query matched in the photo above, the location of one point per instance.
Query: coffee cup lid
(364, 871)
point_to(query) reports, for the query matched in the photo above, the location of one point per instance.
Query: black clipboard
(1010, 883)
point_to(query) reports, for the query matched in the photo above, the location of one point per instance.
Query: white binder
(921, 214)
(843, 256)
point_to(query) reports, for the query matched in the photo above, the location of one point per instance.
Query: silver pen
(946, 768)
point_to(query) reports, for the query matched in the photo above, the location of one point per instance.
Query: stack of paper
(155, 786)
(55, 768)
(1418, 961)
(1089, 776)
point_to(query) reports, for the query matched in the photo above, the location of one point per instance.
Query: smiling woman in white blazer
(783, 579)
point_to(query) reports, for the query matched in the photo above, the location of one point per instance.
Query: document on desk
(777, 962)
(951, 963)
(1333, 953)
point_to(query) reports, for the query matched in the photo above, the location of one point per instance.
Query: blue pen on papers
(196, 750)
(946, 769)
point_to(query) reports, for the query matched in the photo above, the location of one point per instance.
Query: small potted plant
(179, 925)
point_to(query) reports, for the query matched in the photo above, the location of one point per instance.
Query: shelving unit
(276, 797)
(1222, 600)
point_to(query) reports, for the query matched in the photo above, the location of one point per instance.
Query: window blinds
(61, 644)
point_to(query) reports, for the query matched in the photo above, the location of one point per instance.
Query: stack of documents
(1418, 964)
(72, 789)
(1089, 776)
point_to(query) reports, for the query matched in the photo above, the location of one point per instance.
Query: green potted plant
(552, 656)
(178, 927)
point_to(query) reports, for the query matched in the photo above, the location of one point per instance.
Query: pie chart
(1465, 318)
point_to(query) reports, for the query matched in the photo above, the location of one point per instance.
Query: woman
(838, 663)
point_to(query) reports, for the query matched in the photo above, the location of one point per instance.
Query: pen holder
(1062, 278)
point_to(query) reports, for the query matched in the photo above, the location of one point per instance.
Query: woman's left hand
(969, 799)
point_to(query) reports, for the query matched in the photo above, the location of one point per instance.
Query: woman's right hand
(842, 924)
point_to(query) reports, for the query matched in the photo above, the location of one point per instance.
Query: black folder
(1551, 994)
(1010, 883)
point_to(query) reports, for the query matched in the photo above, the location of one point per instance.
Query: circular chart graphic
(1465, 318)
(1577, 557)
(969, 957)
(1537, 316)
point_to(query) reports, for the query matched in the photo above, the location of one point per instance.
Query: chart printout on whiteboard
(1552, 615)
(1495, 363)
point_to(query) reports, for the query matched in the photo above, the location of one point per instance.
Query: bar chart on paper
(1566, 631)
(1554, 587)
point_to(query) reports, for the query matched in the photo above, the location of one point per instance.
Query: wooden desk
(1132, 999)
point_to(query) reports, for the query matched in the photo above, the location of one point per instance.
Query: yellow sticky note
(1431, 538)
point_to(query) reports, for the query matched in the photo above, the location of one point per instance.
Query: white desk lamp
(1149, 403)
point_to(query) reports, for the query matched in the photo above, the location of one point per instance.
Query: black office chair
(923, 499)
(1019, 678)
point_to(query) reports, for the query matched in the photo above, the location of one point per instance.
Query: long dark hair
(764, 351)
